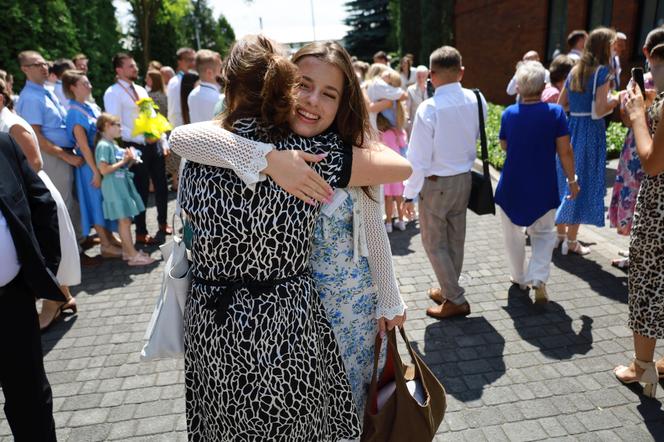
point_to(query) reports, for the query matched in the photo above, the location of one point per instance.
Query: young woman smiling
(330, 110)
(351, 258)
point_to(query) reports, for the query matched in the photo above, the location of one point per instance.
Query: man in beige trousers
(442, 152)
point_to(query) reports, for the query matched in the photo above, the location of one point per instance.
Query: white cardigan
(215, 146)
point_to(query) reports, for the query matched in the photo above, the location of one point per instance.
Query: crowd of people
(297, 268)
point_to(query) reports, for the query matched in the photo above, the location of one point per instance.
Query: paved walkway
(512, 372)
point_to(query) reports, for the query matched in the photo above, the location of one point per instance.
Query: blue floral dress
(588, 138)
(348, 294)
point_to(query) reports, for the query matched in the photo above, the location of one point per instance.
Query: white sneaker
(400, 225)
(388, 227)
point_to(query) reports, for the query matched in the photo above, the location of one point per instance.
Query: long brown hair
(352, 120)
(259, 82)
(596, 52)
(157, 81)
(4, 91)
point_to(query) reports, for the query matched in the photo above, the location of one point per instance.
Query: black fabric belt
(222, 302)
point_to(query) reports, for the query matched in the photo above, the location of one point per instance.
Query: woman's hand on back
(289, 169)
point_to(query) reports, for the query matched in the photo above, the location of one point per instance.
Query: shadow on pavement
(57, 331)
(400, 241)
(601, 282)
(465, 354)
(548, 327)
(651, 411)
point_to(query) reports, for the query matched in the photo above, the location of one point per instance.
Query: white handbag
(165, 334)
(593, 112)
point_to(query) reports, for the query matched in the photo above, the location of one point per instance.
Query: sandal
(649, 377)
(140, 259)
(559, 240)
(574, 247)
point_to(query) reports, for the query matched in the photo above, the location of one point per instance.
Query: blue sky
(285, 21)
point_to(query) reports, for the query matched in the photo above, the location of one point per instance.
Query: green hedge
(615, 136)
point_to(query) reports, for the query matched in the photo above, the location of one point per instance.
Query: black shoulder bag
(481, 193)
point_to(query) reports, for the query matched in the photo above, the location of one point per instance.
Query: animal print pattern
(646, 251)
(261, 360)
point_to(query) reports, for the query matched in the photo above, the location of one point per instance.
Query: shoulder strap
(483, 142)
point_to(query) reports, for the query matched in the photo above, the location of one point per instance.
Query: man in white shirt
(442, 151)
(417, 93)
(576, 40)
(204, 97)
(120, 100)
(186, 58)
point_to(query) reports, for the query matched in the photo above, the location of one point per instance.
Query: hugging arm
(390, 306)
(378, 164)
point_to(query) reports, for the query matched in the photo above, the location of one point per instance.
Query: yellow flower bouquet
(151, 124)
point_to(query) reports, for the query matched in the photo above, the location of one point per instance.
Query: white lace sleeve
(389, 301)
(208, 143)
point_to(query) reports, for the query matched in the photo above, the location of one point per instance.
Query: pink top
(550, 94)
(394, 138)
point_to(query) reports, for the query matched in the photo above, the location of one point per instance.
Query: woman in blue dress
(587, 84)
(81, 126)
(351, 259)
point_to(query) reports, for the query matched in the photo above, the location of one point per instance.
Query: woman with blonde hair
(587, 97)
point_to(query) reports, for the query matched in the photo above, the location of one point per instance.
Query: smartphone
(430, 89)
(637, 77)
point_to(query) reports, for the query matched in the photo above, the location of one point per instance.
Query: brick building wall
(493, 35)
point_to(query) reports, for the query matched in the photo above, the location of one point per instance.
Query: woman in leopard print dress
(646, 270)
(261, 359)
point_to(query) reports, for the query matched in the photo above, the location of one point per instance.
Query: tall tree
(145, 13)
(203, 31)
(438, 23)
(98, 37)
(41, 25)
(370, 25)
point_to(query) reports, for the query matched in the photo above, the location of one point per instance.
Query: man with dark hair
(381, 58)
(43, 111)
(186, 59)
(30, 256)
(120, 100)
(442, 151)
(60, 66)
(576, 40)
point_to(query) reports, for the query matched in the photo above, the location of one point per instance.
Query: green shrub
(615, 137)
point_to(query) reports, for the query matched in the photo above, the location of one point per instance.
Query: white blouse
(222, 148)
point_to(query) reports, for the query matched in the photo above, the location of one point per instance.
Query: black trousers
(154, 167)
(28, 398)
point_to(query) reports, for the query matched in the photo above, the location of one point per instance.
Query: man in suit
(30, 256)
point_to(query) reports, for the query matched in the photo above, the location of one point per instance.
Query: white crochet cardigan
(215, 146)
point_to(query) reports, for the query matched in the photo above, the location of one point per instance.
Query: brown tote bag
(401, 417)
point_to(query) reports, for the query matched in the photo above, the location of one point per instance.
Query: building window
(557, 32)
(599, 13)
(652, 16)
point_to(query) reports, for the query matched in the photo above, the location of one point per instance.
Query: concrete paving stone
(113, 398)
(456, 421)
(156, 408)
(61, 418)
(141, 381)
(154, 425)
(482, 417)
(494, 433)
(536, 408)
(82, 401)
(140, 395)
(552, 427)
(474, 434)
(122, 430)
(121, 413)
(89, 433)
(595, 420)
(524, 431)
(93, 416)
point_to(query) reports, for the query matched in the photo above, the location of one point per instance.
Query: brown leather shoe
(166, 229)
(436, 294)
(88, 261)
(145, 239)
(448, 310)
